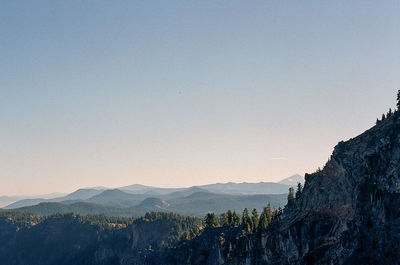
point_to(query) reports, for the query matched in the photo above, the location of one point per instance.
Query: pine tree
(254, 219)
(299, 190)
(246, 220)
(263, 222)
(268, 213)
(210, 220)
(245, 215)
(398, 100)
(235, 219)
(223, 220)
(383, 117)
(279, 210)
(229, 217)
(275, 213)
(291, 195)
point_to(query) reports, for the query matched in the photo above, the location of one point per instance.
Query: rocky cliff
(348, 212)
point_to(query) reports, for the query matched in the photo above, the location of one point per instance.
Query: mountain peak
(292, 180)
(153, 203)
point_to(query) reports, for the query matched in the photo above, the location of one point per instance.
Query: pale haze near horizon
(181, 93)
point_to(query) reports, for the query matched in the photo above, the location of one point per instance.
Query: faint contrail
(278, 158)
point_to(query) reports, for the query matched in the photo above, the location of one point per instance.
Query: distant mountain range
(6, 200)
(119, 203)
(226, 188)
(135, 200)
(81, 194)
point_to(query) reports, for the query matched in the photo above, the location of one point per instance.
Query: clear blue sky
(180, 93)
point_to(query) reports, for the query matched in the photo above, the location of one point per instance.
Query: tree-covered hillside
(81, 208)
(94, 239)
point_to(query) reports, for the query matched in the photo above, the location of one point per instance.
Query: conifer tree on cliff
(254, 219)
(235, 219)
(246, 220)
(211, 220)
(398, 100)
(263, 223)
(268, 213)
(291, 194)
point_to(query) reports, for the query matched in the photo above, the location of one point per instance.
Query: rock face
(349, 212)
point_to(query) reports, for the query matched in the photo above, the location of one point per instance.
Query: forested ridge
(100, 239)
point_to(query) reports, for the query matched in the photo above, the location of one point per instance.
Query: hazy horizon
(55, 194)
(187, 93)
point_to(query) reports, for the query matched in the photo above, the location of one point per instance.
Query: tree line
(391, 112)
(251, 223)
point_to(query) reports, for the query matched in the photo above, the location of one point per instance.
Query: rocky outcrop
(348, 212)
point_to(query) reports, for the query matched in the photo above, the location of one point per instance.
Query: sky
(182, 93)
